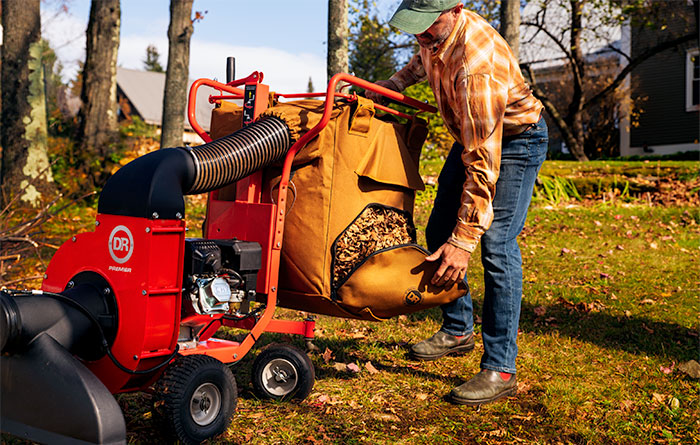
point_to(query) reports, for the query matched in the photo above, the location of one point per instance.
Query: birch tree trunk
(24, 170)
(98, 115)
(337, 61)
(177, 75)
(510, 24)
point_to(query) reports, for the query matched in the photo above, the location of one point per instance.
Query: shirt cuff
(466, 236)
(397, 82)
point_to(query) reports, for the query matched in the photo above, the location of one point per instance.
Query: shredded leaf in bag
(375, 229)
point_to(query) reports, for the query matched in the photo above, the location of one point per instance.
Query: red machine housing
(142, 259)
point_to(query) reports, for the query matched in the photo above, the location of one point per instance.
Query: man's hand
(453, 267)
(376, 97)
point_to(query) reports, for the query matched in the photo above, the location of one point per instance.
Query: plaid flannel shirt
(482, 97)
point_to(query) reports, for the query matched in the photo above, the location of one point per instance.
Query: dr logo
(121, 244)
(413, 297)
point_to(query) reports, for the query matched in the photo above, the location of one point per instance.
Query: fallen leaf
(692, 368)
(598, 223)
(327, 355)
(667, 369)
(352, 367)
(564, 251)
(523, 387)
(674, 403)
(647, 328)
(421, 396)
(658, 398)
(340, 366)
(653, 245)
(370, 367)
(540, 311)
(648, 301)
(628, 314)
(620, 247)
(384, 417)
(626, 405)
(604, 275)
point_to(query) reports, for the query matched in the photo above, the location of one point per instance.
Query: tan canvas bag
(357, 161)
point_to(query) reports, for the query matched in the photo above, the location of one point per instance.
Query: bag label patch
(412, 297)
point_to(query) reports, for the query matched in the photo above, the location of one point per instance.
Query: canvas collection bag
(357, 165)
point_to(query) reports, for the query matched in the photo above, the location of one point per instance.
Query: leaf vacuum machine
(134, 304)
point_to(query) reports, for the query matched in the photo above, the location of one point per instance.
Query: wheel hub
(279, 377)
(205, 404)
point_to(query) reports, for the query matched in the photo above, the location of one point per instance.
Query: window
(692, 80)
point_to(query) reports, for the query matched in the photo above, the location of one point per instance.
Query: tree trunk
(575, 113)
(337, 37)
(510, 24)
(98, 114)
(177, 76)
(24, 171)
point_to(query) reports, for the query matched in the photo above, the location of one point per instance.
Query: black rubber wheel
(195, 398)
(283, 372)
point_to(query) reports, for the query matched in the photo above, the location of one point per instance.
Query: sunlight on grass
(610, 311)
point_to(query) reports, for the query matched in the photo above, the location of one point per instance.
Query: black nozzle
(10, 321)
(230, 69)
(48, 394)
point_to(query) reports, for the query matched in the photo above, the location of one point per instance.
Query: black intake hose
(226, 160)
(153, 185)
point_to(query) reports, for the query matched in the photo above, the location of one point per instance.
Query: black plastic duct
(47, 394)
(153, 185)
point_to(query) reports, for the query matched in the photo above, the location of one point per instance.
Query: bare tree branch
(569, 56)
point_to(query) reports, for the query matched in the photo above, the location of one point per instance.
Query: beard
(434, 44)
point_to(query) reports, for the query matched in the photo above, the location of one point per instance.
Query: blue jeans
(521, 159)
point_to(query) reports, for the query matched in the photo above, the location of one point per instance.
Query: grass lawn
(610, 314)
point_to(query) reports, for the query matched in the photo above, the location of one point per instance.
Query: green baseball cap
(415, 16)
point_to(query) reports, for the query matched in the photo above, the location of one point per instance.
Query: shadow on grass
(636, 335)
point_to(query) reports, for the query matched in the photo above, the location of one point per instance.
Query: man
(485, 186)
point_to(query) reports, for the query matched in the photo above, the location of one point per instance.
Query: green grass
(610, 310)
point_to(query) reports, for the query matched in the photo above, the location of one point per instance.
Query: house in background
(668, 85)
(665, 87)
(601, 45)
(140, 93)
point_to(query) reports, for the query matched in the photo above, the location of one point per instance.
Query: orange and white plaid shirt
(482, 97)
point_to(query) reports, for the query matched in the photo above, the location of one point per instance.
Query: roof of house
(144, 89)
(600, 36)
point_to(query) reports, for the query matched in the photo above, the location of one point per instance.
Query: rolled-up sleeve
(481, 110)
(410, 74)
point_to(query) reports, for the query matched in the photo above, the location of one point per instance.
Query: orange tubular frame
(229, 351)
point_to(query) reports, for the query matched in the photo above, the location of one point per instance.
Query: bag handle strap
(361, 119)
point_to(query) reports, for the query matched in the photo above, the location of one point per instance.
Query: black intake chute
(153, 185)
(46, 393)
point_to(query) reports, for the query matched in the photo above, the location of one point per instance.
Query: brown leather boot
(485, 387)
(442, 344)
